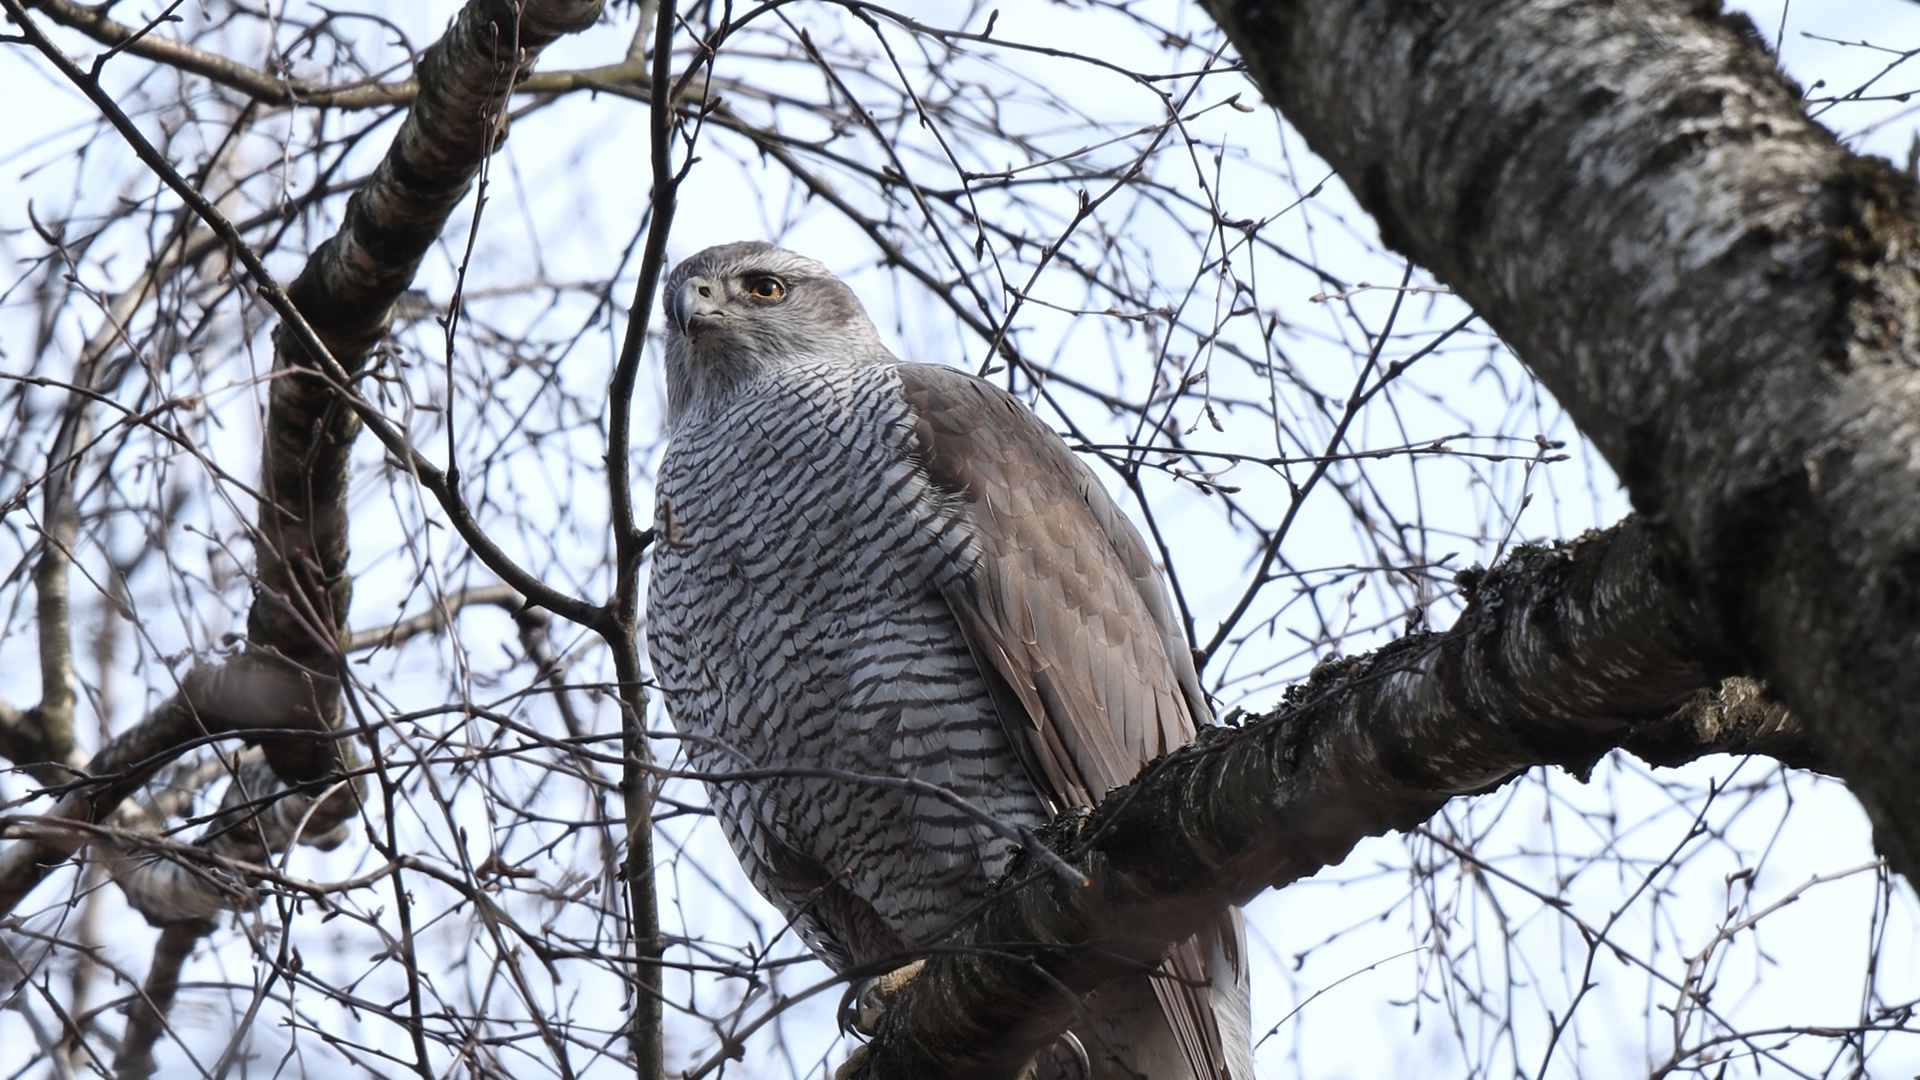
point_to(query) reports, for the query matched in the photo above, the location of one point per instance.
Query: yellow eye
(766, 288)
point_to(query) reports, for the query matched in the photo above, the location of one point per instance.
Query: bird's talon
(870, 1000)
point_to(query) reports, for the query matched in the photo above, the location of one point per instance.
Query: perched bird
(868, 570)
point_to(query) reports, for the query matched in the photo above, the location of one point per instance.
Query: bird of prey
(867, 570)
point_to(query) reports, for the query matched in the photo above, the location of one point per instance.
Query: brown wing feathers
(1065, 614)
(1053, 606)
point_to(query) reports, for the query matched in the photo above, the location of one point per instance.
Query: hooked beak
(696, 306)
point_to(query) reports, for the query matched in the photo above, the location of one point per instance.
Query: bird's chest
(802, 640)
(799, 543)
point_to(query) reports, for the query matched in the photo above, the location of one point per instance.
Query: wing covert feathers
(1064, 603)
(1067, 617)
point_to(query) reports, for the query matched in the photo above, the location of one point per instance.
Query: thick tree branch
(339, 307)
(211, 701)
(1563, 654)
(346, 294)
(1721, 296)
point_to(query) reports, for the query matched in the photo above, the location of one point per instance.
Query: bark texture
(1722, 297)
(1564, 654)
(346, 293)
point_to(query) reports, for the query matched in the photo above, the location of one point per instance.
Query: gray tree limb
(335, 312)
(344, 299)
(212, 701)
(346, 294)
(1722, 297)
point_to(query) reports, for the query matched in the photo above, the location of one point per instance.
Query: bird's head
(736, 310)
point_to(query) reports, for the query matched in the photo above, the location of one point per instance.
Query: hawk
(868, 570)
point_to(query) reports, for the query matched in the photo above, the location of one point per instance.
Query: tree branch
(1562, 655)
(257, 84)
(147, 1012)
(333, 314)
(1730, 316)
(645, 1034)
(435, 618)
(211, 700)
(346, 294)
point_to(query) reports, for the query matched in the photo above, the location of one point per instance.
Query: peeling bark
(1720, 295)
(1563, 654)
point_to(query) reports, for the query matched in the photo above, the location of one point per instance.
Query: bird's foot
(1066, 1059)
(870, 1001)
(863, 1008)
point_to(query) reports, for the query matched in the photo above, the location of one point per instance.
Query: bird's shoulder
(982, 441)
